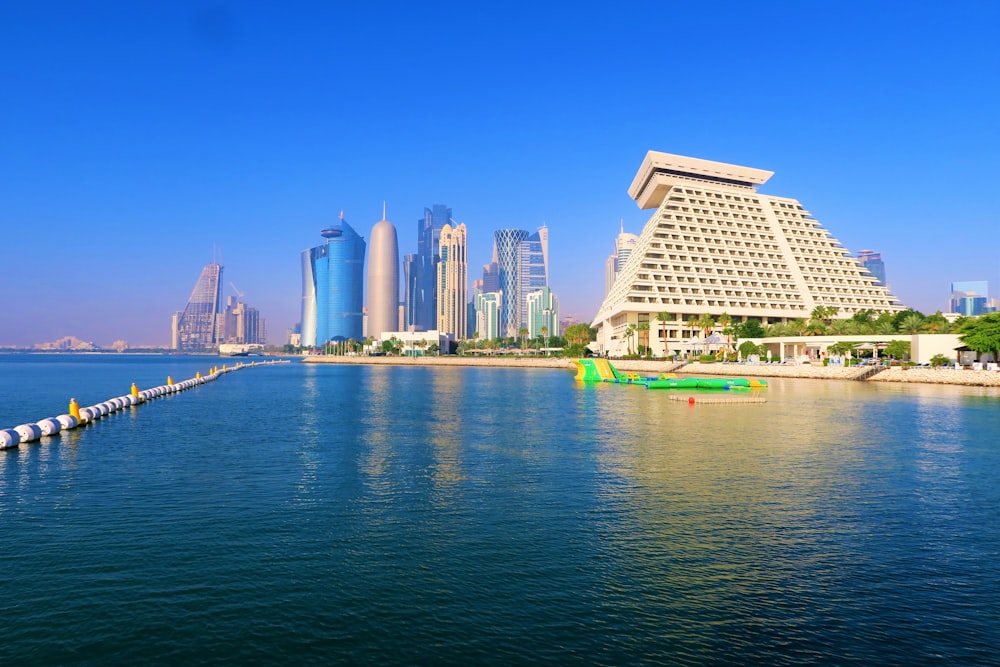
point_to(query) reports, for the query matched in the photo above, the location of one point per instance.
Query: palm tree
(629, 332)
(523, 333)
(726, 323)
(545, 336)
(692, 323)
(644, 333)
(706, 324)
(913, 323)
(663, 318)
(936, 323)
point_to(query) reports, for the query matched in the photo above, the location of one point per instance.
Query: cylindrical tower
(383, 279)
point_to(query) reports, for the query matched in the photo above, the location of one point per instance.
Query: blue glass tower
(421, 297)
(333, 287)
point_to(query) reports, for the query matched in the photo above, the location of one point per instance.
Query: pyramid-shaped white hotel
(715, 245)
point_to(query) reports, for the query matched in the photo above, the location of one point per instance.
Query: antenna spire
(383, 209)
(623, 225)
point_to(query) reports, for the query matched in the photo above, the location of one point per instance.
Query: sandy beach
(912, 375)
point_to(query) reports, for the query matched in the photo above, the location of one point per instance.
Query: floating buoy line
(77, 416)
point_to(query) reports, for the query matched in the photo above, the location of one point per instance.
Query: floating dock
(601, 370)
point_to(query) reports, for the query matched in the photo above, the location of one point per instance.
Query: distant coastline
(949, 376)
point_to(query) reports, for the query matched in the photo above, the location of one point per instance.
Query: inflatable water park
(601, 370)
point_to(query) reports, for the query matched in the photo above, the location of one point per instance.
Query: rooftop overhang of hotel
(661, 171)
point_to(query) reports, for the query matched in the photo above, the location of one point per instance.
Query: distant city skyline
(136, 140)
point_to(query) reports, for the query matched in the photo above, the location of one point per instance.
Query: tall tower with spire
(383, 278)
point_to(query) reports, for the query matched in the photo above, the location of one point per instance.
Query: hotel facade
(715, 246)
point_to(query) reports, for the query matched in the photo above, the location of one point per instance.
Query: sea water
(314, 514)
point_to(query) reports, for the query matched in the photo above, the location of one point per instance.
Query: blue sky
(136, 137)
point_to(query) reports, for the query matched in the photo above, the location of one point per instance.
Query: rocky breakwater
(939, 376)
(452, 360)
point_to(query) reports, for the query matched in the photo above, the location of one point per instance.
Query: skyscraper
(715, 245)
(488, 305)
(452, 280)
(624, 244)
(533, 270)
(543, 313)
(333, 287)
(199, 326)
(872, 261)
(383, 279)
(243, 324)
(422, 267)
(523, 267)
(507, 243)
(970, 297)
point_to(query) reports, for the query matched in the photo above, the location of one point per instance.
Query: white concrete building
(715, 245)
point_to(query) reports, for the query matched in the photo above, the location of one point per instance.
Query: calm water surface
(302, 514)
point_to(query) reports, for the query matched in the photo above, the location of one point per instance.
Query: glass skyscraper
(421, 270)
(199, 326)
(333, 287)
(507, 245)
(523, 267)
(872, 261)
(969, 297)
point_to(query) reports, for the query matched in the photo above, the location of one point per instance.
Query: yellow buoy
(197, 375)
(74, 409)
(170, 380)
(135, 390)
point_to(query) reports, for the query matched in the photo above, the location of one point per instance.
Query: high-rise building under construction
(199, 326)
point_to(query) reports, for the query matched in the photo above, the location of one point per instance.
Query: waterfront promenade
(802, 371)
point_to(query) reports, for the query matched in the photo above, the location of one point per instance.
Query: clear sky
(136, 137)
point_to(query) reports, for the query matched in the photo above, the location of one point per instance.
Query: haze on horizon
(140, 138)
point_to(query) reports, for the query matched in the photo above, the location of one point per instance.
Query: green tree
(913, 323)
(824, 314)
(797, 327)
(725, 322)
(898, 349)
(865, 321)
(843, 327)
(939, 360)
(982, 334)
(523, 335)
(706, 324)
(841, 348)
(897, 318)
(749, 329)
(937, 323)
(884, 324)
(748, 348)
(629, 333)
(643, 329)
(663, 318)
(814, 328)
(577, 336)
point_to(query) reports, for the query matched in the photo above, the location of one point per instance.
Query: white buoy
(49, 426)
(28, 432)
(9, 438)
(68, 421)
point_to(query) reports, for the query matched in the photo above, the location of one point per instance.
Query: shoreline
(948, 376)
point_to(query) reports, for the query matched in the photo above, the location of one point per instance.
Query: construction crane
(239, 294)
